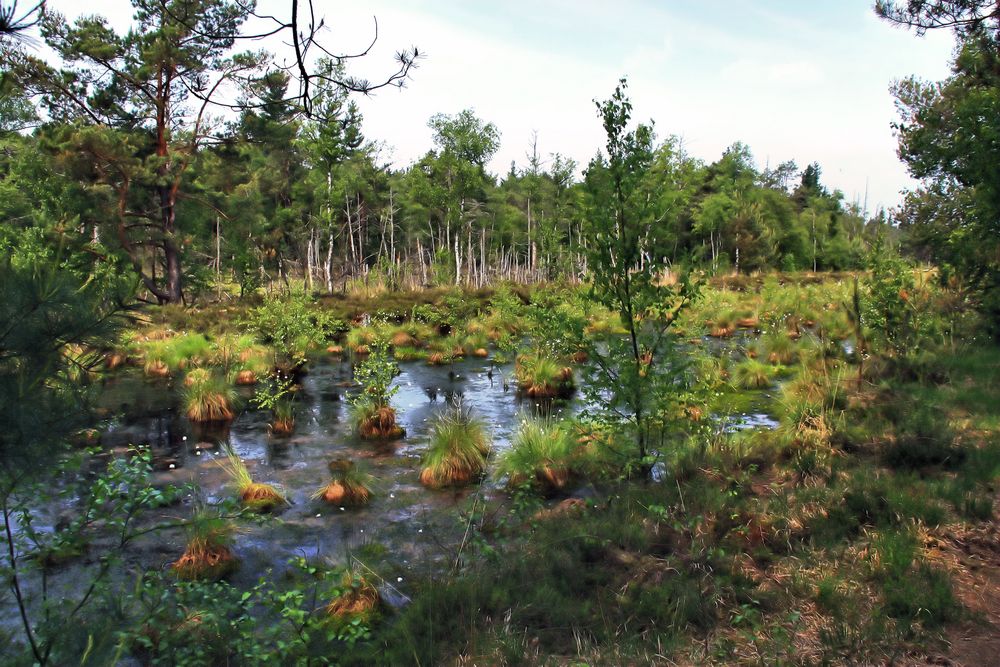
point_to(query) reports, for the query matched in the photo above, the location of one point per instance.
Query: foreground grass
(829, 540)
(772, 548)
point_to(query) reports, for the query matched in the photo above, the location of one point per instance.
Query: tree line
(168, 153)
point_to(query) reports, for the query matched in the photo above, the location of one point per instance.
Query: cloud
(778, 74)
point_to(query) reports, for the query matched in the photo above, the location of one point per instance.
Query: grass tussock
(209, 398)
(376, 422)
(350, 486)
(543, 455)
(356, 599)
(751, 374)
(457, 451)
(540, 376)
(256, 496)
(208, 555)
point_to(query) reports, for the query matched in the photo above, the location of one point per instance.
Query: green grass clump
(542, 455)
(751, 374)
(165, 356)
(209, 398)
(874, 500)
(541, 376)
(227, 350)
(458, 449)
(408, 353)
(923, 438)
(360, 339)
(913, 590)
(780, 349)
(187, 350)
(476, 344)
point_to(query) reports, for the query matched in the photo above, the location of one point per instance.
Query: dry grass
(359, 598)
(246, 378)
(254, 495)
(204, 560)
(379, 423)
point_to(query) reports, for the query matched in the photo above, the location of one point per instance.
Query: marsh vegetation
(306, 409)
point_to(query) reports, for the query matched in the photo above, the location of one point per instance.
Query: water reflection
(402, 512)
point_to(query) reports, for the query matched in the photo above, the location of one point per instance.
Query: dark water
(409, 528)
(408, 519)
(405, 517)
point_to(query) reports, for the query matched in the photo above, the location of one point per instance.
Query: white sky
(792, 80)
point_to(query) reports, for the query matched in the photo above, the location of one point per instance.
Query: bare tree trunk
(218, 258)
(423, 266)
(482, 257)
(350, 231)
(328, 269)
(309, 257)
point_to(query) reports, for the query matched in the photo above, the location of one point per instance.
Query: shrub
(278, 396)
(373, 416)
(292, 325)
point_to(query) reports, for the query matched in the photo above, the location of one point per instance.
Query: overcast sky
(807, 81)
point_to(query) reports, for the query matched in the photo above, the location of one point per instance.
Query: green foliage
(943, 134)
(208, 623)
(47, 308)
(893, 311)
(111, 510)
(641, 370)
(292, 325)
(375, 374)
